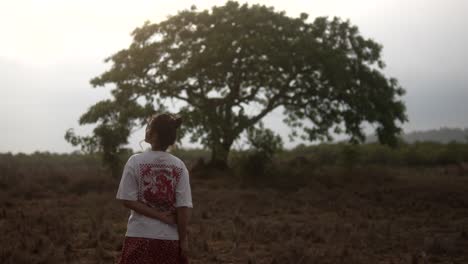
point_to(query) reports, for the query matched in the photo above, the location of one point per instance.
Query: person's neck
(157, 148)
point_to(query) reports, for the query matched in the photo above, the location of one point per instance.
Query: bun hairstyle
(165, 126)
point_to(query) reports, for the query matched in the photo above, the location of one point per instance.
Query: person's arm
(183, 217)
(141, 208)
(128, 194)
(184, 208)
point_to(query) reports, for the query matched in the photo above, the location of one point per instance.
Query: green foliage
(264, 144)
(325, 153)
(88, 144)
(416, 154)
(107, 140)
(264, 141)
(191, 155)
(286, 169)
(41, 173)
(322, 71)
(350, 155)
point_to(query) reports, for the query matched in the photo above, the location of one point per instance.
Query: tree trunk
(219, 155)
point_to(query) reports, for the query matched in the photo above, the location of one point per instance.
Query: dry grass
(358, 215)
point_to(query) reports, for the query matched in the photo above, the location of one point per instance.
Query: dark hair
(165, 126)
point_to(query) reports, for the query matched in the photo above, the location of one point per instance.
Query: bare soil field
(404, 216)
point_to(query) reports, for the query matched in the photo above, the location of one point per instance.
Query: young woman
(155, 186)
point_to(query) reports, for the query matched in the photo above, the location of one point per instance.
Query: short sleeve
(128, 187)
(183, 190)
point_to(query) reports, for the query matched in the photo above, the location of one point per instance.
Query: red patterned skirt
(138, 250)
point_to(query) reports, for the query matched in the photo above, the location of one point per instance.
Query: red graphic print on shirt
(158, 183)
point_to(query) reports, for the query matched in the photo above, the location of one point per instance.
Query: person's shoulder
(136, 156)
(174, 158)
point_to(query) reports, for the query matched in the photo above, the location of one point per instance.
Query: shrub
(264, 144)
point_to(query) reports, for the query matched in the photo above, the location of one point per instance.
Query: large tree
(229, 67)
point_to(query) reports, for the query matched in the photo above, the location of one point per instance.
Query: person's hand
(168, 217)
(184, 250)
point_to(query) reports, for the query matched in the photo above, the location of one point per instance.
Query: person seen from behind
(155, 187)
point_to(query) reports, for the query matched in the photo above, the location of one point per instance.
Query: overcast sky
(50, 49)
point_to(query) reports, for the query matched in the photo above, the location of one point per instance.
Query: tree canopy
(230, 66)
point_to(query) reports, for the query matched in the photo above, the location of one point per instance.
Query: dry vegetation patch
(360, 215)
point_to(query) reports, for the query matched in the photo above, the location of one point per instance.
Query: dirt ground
(415, 216)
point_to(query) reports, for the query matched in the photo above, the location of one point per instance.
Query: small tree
(263, 145)
(221, 64)
(264, 140)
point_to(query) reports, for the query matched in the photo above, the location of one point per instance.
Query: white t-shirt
(159, 180)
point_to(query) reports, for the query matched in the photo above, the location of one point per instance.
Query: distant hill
(443, 135)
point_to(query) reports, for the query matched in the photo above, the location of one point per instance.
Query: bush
(264, 144)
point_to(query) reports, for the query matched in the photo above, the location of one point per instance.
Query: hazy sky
(50, 49)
